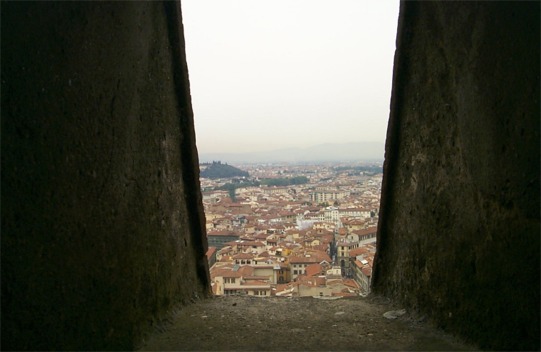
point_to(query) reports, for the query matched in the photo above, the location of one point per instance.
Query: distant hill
(362, 151)
(219, 170)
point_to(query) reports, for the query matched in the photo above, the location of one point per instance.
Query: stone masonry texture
(459, 223)
(101, 221)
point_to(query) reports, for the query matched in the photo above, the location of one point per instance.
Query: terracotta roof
(358, 251)
(367, 231)
(243, 256)
(351, 283)
(210, 252)
(321, 247)
(303, 280)
(367, 270)
(261, 236)
(313, 269)
(282, 287)
(246, 270)
(224, 272)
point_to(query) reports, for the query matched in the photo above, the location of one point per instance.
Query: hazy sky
(266, 75)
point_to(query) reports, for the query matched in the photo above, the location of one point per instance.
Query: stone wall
(459, 224)
(102, 222)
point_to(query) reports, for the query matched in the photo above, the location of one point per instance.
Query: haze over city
(267, 75)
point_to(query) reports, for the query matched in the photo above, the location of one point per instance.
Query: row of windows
(300, 265)
(256, 292)
(247, 261)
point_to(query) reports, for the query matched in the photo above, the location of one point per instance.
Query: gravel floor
(296, 324)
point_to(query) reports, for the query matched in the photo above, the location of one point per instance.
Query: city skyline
(272, 75)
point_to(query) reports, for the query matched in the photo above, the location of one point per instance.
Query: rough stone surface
(459, 223)
(101, 215)
(296, 324)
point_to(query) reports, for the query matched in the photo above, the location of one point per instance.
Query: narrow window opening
(291, 102)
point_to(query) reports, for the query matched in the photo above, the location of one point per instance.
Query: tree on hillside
(219, 170)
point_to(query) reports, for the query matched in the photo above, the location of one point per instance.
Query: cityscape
(291, 230)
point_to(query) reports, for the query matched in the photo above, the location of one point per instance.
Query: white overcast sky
(267, 75)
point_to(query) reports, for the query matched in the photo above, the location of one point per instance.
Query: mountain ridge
(357, 151)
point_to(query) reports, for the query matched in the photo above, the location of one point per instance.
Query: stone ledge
(297, 324)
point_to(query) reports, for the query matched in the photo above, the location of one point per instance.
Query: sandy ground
(299, 324)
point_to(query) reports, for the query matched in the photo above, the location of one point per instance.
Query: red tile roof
(210, 252)
(243, 256)
(367, 231)
(313, 269)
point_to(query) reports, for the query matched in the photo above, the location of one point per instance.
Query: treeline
(219, 170)
(287, 181)
(239, 183)
(231, 187)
